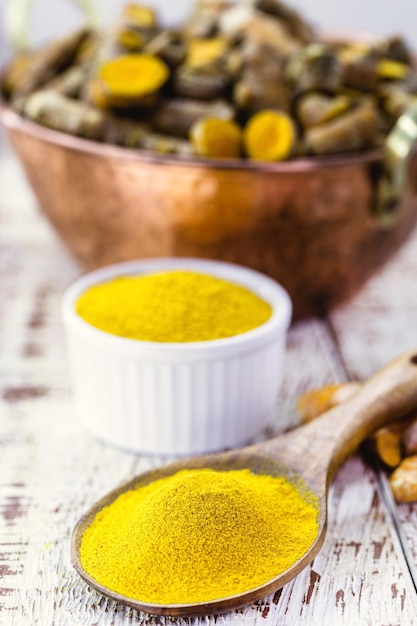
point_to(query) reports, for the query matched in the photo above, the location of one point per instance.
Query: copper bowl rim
(13, 120)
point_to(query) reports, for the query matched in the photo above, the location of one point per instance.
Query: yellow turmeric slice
(392, 69)
(215, 137)
(354, 51)
(15, 73)
(137, 26)
(139, 16)
(203, 51)
(388, 444)
(313, 403)
(269, 136)
(127, 80)
(131, 40)
(315, 108)
(403, 480)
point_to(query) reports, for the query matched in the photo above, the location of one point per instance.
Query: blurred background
(52, 17)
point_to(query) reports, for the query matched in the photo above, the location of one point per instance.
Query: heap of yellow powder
(199, 535)
(172, 306)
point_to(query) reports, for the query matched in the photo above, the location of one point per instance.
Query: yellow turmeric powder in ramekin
(199, 535)
(172, 306)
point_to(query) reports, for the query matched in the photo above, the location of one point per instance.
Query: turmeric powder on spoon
(199, 535)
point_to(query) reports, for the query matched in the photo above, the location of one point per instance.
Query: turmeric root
(31, 70)
(315, 68)
(316, 108)
(313, 403)
(215, 137)
(58, 112)
(15, 76)
(269, 136)
(204, 82)
(70, 82)
(131, 40)
(136, 26)
(128, 80)
(388, 444)
(291, 19)
(396, 100)
(203, 20)
(243, 21)
(393, 70)
(356, 130)
(139, 16)
(403, 480)
(360, 69)
(203, 51)
(395, 444)
(259, 79)
(258, 57)
(176, 116)
(396, 49)
(168, 45)
(165, 144)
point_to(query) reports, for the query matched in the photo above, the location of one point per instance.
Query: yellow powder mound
(173, 306)
(199, 535)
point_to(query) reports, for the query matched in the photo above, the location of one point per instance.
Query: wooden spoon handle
(329, 440)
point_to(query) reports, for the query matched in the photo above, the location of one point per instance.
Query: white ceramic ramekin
(177, 398)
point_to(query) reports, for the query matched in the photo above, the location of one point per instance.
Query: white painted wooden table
(50, 472)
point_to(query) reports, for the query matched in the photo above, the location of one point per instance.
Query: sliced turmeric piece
(128, 80)
(68, 115)
(216, 137)
(313, 403)
(353, 51)
(32, 70)
(137, 25)
(175, 116)
(131, 40)
(357, 129)
(203, 51)
(403, 480)
(388, 444)
(15, 74)
(204, 82)
(169, 45)
(269, 136)
(139, 16)
(392, 69)
(316, 108)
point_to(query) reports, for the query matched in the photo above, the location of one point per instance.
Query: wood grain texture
(50, 472)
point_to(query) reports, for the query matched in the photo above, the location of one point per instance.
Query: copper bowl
(309, 223)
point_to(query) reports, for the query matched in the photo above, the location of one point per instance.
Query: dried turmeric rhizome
(199, 535)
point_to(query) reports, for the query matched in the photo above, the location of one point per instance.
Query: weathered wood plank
(381, 321)
(379, 324)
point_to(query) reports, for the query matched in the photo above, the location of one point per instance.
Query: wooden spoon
(312, 452)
